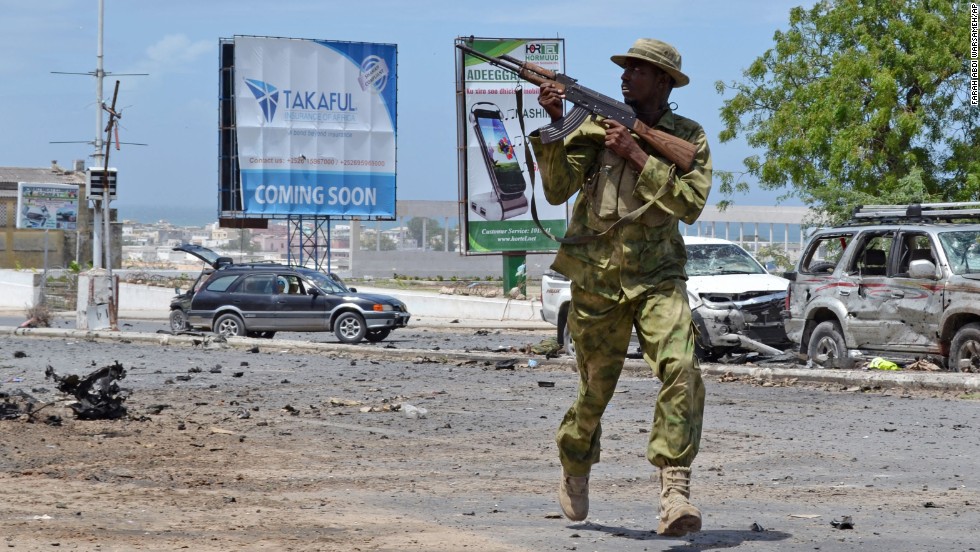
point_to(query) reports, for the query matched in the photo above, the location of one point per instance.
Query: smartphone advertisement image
(506, 199)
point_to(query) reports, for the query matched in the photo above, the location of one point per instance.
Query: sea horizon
(173, 214)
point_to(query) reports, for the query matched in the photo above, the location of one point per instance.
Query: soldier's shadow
(703, 540)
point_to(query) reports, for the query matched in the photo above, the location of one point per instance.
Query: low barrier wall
(20, 290)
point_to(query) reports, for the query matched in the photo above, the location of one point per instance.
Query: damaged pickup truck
(897, 281)
(735, 302)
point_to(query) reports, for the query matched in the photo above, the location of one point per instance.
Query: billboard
(315, 124)
(495, 181)
(47, 206)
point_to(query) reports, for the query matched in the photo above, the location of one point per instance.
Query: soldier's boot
(573, 496)
(678, 516)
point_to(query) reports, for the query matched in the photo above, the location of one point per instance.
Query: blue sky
(174, 108)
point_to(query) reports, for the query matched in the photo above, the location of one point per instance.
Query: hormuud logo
(541, 51)
(541, 48)
(267, 96)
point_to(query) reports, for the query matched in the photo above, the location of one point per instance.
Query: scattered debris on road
(98, 394)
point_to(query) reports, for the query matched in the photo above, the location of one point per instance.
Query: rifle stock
(677, 151)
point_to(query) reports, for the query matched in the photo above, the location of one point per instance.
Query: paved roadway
(461, 338)
(780, 460)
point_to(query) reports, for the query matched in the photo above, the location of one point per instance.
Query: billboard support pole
(515, 274)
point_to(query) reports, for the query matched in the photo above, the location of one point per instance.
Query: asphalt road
(313, 470)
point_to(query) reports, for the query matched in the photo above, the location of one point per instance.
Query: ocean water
(178, 215)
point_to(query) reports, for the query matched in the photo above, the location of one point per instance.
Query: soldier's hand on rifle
(620, 140)
(552, 101)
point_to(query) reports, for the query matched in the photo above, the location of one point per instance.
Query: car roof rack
(917, 212)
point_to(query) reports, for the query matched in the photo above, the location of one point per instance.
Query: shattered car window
(711, 259)
(872, 257)
(913, 247)
(962, 251)
(824, 254)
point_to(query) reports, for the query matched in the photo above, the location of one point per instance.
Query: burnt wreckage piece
(99, 395)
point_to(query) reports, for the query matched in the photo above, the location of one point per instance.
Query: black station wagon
(260, 299)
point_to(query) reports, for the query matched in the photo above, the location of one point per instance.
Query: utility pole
(100, 210)
(99, 206)
(106, 195)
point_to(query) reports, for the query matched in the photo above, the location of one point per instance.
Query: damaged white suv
(900, 282)
(735, 302)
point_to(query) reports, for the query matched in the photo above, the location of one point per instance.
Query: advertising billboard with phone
(495, 183)
(316, 126)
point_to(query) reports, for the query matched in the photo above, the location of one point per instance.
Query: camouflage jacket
(643, 253)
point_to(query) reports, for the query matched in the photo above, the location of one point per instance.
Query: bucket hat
(659, 53)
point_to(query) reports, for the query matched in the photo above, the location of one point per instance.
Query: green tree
(776, 254)
(432, 229)
(437, 241)
(860, 102)
(369, 242)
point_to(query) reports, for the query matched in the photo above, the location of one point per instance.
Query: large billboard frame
(312, 134)
(495, 183)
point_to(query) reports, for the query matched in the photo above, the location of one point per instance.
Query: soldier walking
(630, 275)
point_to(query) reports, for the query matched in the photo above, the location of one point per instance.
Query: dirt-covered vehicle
(899, 282)
(261, 299)
(735, 302)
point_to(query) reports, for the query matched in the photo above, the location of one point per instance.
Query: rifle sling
(572, 240)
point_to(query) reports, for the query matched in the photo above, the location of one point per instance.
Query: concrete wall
(431, 264)
(19, 290)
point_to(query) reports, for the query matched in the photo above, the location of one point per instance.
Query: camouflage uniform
(633, 276)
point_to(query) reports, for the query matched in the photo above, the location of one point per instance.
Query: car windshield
(324, 282)
(712, 259)
(962, 250)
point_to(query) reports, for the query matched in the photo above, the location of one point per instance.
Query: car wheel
(350, 328)
(569, 343)
(178, 320)
(827, 347)
(702, 345)
(375, 336)
(964, 352)
(228, 325)
(704, 354)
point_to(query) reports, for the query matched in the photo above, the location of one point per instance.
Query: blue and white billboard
(316, 123)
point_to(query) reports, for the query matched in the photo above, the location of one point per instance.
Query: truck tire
(964, 351)
(827, 348)
(567, 342)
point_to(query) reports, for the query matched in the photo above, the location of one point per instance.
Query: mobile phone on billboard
(500, 158)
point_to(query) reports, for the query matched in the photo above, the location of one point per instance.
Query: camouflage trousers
(601, 329)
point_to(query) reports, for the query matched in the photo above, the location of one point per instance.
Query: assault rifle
(589, 102)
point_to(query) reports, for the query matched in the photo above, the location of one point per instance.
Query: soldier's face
(645, 84)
